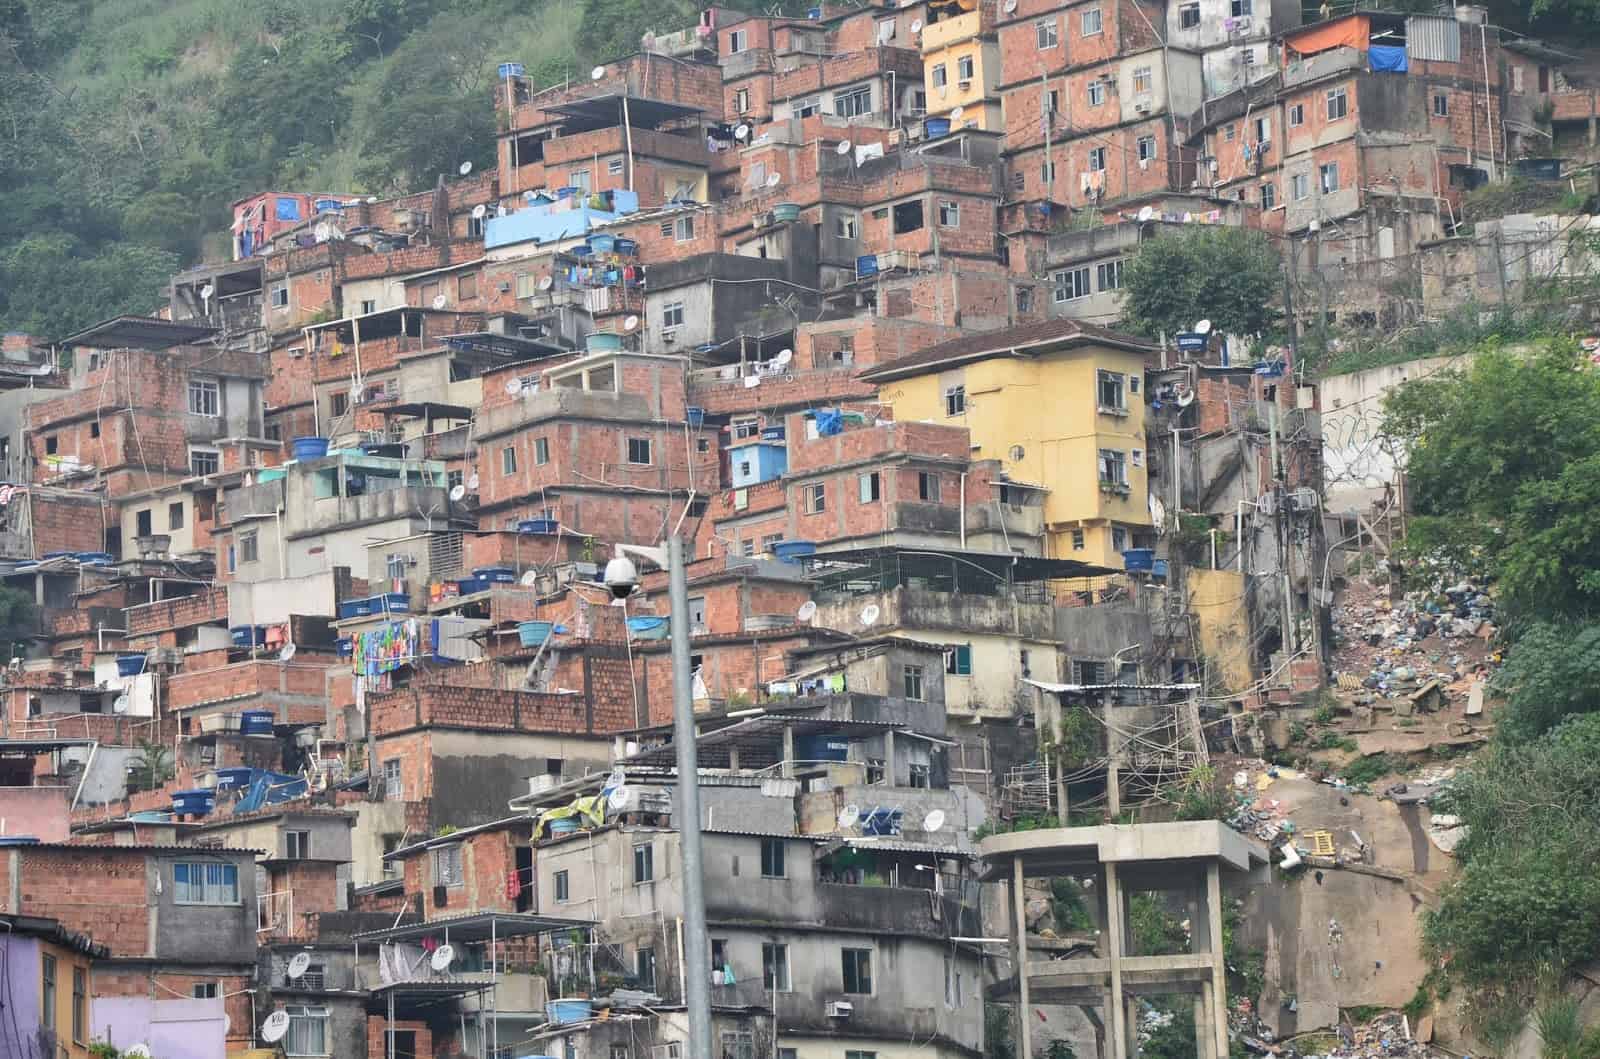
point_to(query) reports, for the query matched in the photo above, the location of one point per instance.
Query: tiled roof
(995, 343)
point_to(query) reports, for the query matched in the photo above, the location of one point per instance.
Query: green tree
(1553, 673)
(1230, 276)
(151, 768)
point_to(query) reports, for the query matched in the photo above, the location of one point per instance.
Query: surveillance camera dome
(621, 577)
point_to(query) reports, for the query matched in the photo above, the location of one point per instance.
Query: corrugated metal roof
(1434, 38)
(1000, 343)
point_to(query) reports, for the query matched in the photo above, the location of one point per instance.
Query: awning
(477, 926)
(1353, 31)
(605, 112)
(138, 332)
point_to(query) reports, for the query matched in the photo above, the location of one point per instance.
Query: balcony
(1324, 64)
(948, 31)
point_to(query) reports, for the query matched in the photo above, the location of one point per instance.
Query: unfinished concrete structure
(1185, 859)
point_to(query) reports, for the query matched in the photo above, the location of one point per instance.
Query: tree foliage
(1230, 276)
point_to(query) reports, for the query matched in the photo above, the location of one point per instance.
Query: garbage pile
(1388, 1036)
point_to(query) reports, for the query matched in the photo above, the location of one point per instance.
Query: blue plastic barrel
(309, 448)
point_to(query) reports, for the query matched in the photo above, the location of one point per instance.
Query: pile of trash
(1387, 649)
(1388, 1036)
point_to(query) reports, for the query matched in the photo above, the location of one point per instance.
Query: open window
(908, 217)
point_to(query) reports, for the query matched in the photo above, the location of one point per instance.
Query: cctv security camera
(621, 577)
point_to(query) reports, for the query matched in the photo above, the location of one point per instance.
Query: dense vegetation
(128, 126)
(1230, 276)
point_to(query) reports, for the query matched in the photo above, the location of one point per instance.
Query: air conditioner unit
(840, 1009)
(669, 336)
(540, 784)
(1142, 108)
(964, 85)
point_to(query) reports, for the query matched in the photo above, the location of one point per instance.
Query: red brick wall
(207, 605)
(97, 890)
(483, 709)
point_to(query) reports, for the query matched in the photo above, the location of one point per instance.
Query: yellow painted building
(961, 65)
(1061, 405)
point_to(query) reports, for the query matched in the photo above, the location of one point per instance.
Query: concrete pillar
(1113, 935)
(1219, 971)
(890, 776)
(1019, 901)
(1114, 770)
(1204, 1042)
(1131, 1004)
(788, 751)
(733, 758)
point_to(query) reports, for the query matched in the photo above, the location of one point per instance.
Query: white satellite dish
(741, 131)
(1146, 213)
(442, 957)
(916, 25)
(1010, 6)
(933, 821)
(121, 703)
(597, 73)
(513, 386)
(1203, 327)
(464, 168)
(275, 1027)
(617, 777)
(849, 816)
(955, 115)
(300, 964)
(844, 147)
(323, 232)
(287, 654)
(620, 798)
(480, 211)
(440, 301)
(752, 381)
(774, 180)
(472, 483)
(457, 491)
(630, 322)
(807, 611)
(138, 1051)
(530, 579)
(546, 282)
(869, 614)
(784, 357)
(207, 291)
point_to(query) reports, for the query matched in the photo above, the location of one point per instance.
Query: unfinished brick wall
(205, 606)
(101, 891)
(481, 709)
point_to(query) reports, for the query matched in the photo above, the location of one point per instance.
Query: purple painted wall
(172, 1029)
(19, 986)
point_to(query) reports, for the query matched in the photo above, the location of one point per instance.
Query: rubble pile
(1388, 1036)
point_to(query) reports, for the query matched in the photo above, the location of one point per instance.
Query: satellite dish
(784, 357)
(630, 322)
(933, 821)
(138, 1051)
(807, 611)
(121, 703)
(287, 654)
(869, 614)
(1146, 213)
(207, 291)
(457, 492)
(774, 180)
(1010, 6)
(440, 301)
(501, 211)
(1203, 327)
(741, 131)
(546, 282)
(372, 200)
(620, 798)
(480, 211)
(955, 115)
(464, 168)
(275, 1027)
(844, 147)
(323, 232)
(617, 777)
(849, 816)
(530, 578)
(472, 483)
(597, 73)
(513, 386)
(752, 381)
(916, 25)
(442, 957)
(300, 964)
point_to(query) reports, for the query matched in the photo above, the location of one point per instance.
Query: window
(738, 1044)
(614, 167)
(1441, 105)
(921, 775)
(912, 683)
(875, 770)
(775, 967)
(1299, 186)
(853, 102)
(205, 397)
(308, 1030)
(1071, 284)
(541, 451)
(771, 541)
(928, 486)
(1047, 173)
(644, 863)
(1112, 390)
(940, 77)
(844, 226)
(1297, 115)
(672, 315)
(1263, 129)
(579, 178)
(772, 852)
(1097, 93)
(1269, 196)
(175, 515)
(639, 450)
(1046, 30)
(886, 30)
(508, 460)
(816, 499)
(1113, 467)
(1227, 134)
(958, 660)
(47, 968)
(1188, 16)
(949, 214)
(427, 292)
(1142, 79)
(736, 42)
(869, 487)
(955, 400)
(316, 977)
(475, 226)
(1239, 8)
(1077, 540)
(855, 1054)
(1109, 274)
(666, 229)
(808, 107)
(1089, 22)
(80, 1005)
(141, 523)
(467, 286)
(249, 547)
(964, 68)
(1328, 177)
(563, 885)
(857, 966)
(297, 845)
(1338, 104)
(697, 612)
(1146, 148)
(394, 787)
(684, 231)
(1119, 539)
(205, 883)
(205, 991)
(747, 547)
(1024, 299)
(339, 403)
(447, 865)
(644, 966)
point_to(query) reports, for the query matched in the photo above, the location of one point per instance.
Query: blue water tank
(255, 722)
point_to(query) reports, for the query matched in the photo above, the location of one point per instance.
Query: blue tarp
(829, 421)
(288, 209)
(1386, 58)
